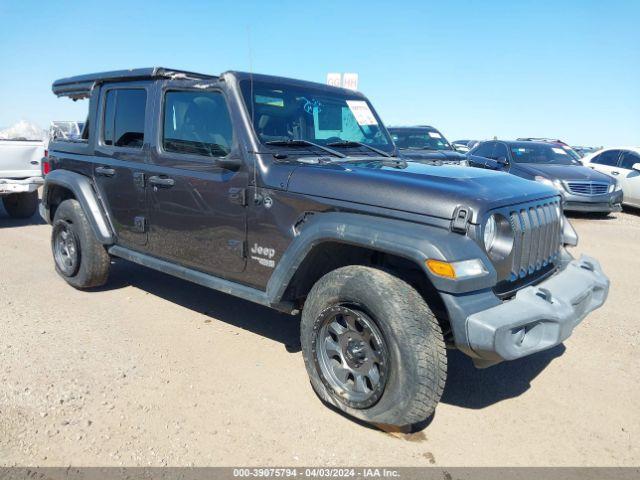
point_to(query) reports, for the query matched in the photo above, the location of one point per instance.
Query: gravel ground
(152, 370)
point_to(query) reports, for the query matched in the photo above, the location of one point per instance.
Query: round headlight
(498, 237)
(490, 229)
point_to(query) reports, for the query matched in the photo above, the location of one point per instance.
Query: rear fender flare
(83, 190)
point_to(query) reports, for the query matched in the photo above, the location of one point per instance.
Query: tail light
(46, 166)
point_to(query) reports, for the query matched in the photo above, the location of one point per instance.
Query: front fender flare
(416, 242)
(83, 190)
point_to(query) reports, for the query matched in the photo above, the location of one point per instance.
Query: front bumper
(610, 202)
(537, 318)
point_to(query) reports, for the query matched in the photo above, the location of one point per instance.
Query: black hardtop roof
(80, 86)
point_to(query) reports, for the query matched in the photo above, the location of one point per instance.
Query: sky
(472, 69)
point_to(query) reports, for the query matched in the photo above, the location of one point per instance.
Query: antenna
(256, 197)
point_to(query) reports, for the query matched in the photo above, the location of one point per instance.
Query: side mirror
(636, 167)
(502, 160)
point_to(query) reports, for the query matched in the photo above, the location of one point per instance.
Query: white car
(622, 163)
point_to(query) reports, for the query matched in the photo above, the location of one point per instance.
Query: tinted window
(500, 151)
(422, 139)
(531, 152)
(609, 158)
(484, 150)
(197, 123)
(124, 118)
(629, 159)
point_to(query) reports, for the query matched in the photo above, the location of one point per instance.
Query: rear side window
(609, 158)
(484, 150)
(500, 151)
(124, 116)
(197, 123)
(629, 159)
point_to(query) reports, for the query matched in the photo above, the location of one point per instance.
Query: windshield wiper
(350, 143)
(304, 143)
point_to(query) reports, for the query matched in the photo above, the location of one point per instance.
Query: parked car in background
(559, 143)
(583, 189)
(66, 129)
(425, 144)
(21, 151)
(584, 151)
(622, 163)
(461, 145)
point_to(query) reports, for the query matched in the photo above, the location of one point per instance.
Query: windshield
(420, 139)
(539, 153)
(284, 112)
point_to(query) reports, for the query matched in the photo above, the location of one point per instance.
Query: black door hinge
(140, 224)
(237, 246)
(238, 196)
(461, 218)
(139, 179)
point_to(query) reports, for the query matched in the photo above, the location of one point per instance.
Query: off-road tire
(21, 205)
(92, 266)
(415, 344)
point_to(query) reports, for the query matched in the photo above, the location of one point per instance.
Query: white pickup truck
(20, 175)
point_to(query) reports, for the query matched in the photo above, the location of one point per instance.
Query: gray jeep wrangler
(291, 194)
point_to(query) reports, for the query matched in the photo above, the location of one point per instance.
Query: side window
(197, 123)
(124, 116)
(500, 151)
(484, 150)
(609, 158)
(629, 159)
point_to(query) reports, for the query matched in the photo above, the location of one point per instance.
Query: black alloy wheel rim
(351, 355)
(65, 249)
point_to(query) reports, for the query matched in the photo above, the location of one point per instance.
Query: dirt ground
(152, 370)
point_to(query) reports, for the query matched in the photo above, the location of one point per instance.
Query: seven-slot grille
(588, 188)
(537, 230)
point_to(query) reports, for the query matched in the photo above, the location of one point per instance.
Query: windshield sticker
(559, 150)
(362, 112)
(435, 135)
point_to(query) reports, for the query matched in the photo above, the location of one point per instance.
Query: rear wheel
(79, 258)
(21, 205)
(372, 347)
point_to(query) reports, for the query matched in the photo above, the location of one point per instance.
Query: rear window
(124, 116)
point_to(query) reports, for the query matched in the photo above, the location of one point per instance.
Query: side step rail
(204, 279)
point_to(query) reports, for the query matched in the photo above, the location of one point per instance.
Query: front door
(121, 154)
(628, 177)
(197, 213)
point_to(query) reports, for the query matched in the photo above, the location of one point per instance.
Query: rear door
(122, 150)
(197, 214)
(628, 177)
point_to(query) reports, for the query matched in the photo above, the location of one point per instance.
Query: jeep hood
(415, 187)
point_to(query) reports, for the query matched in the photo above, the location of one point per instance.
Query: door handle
(615, 173)
(165, 182)
(105, 171)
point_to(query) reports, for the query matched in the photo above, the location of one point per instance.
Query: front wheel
(372, 347)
